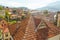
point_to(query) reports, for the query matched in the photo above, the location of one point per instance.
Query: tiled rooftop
(51, 30)
(18, 32)
(26, 30)
(37, 21)
(30, 33)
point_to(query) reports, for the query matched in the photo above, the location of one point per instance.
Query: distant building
(58, 19)
(35, 29)
(18, 30)
(2, 12)
(13, 16)
(46, 30)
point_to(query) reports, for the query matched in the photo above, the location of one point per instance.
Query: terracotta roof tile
(19, 33)
(51, 30)
(12, 28)
(30, 30)
(37, 21)
(42, 34)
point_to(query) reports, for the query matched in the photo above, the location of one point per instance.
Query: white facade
(58, 20)
(57, 37)
(2, 12)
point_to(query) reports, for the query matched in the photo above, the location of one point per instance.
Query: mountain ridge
(52, 6)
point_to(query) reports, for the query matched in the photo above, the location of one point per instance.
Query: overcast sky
(32, 4)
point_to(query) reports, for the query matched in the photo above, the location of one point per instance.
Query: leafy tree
(1, 7)
(2, 17)
(7, 15)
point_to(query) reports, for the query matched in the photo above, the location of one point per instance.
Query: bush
(12, 22)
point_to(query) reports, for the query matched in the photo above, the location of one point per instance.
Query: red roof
(37, 21)
(18, 32)
(50, 31)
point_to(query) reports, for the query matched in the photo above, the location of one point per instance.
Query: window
(0, 39)
(42, 24)
(10, 39)
(6, 39)
(6, 35)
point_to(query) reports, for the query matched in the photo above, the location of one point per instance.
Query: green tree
(7, 15)
(1, 7)
(2, 17)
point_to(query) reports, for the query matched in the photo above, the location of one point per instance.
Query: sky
(31, 4)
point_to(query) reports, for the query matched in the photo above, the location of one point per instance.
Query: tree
(7, 15)
(1, 7)
(2, 17)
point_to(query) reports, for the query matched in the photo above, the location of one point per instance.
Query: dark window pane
(10, 38)
(0, 39)
(6, 39)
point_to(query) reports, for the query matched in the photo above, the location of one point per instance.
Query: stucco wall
(57, 37)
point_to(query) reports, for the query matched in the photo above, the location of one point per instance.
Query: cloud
(12, 3)
(32, 4)
(36, 5)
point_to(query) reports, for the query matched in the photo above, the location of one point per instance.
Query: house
(13, 16)
(58, 19)
(19, 12)
(18, 30)
(4, 31)
(34, 28)
(1, 30)
(2, 12)
(47, 30)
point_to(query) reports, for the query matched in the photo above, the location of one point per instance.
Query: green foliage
(7, 15)
(12, 22)
(2, 17)
(1, 8)
(0, 33)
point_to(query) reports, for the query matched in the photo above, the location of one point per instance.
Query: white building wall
(2, 12)
(57, 37)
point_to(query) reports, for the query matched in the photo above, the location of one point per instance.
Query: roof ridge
(30, 30)
(18, 28)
